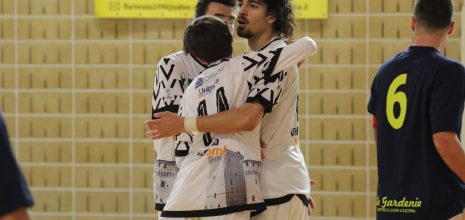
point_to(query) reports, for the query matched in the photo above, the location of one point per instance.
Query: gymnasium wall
(75, 91)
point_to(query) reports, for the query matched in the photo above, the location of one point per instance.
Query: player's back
(404, 100)
(227, 164)
(221, 87)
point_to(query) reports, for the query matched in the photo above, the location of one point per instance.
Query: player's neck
(429, 40)
(259, 41)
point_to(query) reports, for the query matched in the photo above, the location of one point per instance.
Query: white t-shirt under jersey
(284, 169)
(220, 173)
(173, 74)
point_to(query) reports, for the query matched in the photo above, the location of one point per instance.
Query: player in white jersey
(174, 74)
(221, 172)
(284, 177)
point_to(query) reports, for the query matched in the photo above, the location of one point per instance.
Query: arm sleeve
(294, 53)
(265, 84)
(168, 90)
(168, 87)
(447, 99)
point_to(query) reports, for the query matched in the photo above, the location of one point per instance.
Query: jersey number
(394, 96)
(221, 104)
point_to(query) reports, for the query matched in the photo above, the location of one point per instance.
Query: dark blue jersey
(415, 94)
(14, 192)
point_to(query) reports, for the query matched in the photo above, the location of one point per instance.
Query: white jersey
(174, 73)
(221, 172)
(284, 169)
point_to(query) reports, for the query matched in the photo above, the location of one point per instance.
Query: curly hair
(285, 21)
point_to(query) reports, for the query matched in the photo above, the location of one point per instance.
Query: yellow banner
(182, 9)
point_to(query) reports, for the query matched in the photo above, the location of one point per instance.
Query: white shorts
(233, 216)
(292, 210)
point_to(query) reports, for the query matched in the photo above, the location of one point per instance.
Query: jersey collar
(268, 44)
(198, 61)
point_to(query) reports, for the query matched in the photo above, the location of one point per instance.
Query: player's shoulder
(451, 64)
(450, 70)
(274, 44)
(175, 58)
(219, 67)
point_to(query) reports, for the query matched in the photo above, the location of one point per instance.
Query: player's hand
(168, 124)
(311, 201)
(311, 205)
(300, 63)
(263, 146)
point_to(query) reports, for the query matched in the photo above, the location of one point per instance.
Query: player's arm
(446, 110)
(168, 87)
(451, 151)
(18, 214)
(244, 118)
(248, 115)
(374, 125)
(371, 106)
(167, 93)
(295, 53)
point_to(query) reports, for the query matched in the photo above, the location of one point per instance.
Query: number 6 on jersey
(392, 97)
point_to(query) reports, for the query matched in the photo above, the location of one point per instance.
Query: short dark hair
(434, 14)
(285, 21)
(208, 38)
(202, 5)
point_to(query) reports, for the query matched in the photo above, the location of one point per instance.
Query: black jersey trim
(279, 200)
(216, 63)
(287, 198)
(256, 207)
(268, 44)
(181, 153)
(159, 206)
(198, 61)
(282, 200)
(304, 199)
(267, 104)
(168, 108)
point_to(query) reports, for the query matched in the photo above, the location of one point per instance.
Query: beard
(242, 32)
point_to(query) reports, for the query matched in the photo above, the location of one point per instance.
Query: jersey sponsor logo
(168, 95)
(209, 81)
(206, 90)
(213, 77)
(214, 151)
(404, 205)
(198, 83)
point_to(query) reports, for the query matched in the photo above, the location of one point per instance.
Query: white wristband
(190, 124)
